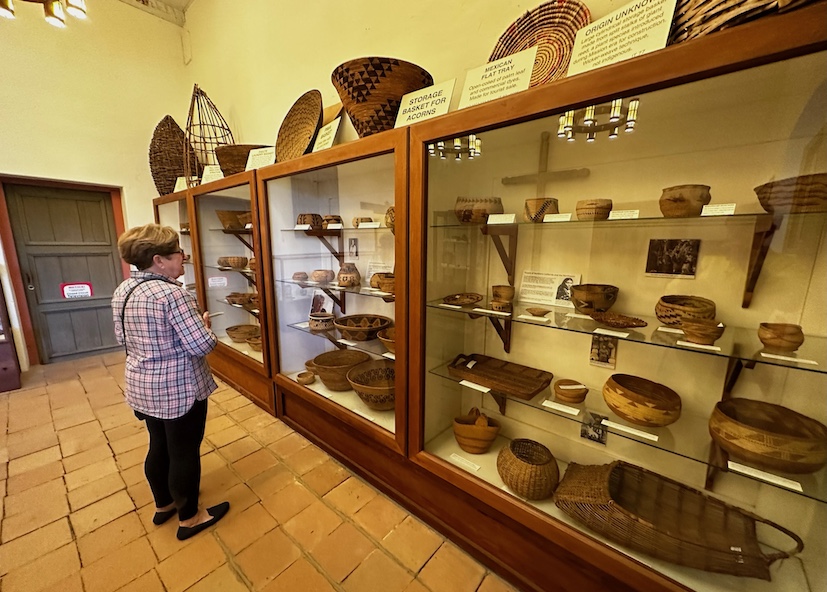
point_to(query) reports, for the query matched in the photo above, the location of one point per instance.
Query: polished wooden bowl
(781, 336)
(641, 401)
(702, 331)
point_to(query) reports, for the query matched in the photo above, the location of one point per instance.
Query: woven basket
(254, 343)
(768, 435)
(528, 468)
(233, 219)
(167, 151)
(236, 262)
(233, 157)
(641, 401)
(536, 208)
(241, 333)
(807, 193)
(371, 89)
(619, 321)
(589, 298)
(332, 367)
(565, 391)
(206, 130)
(475, 432)
(374, 382)
(784, 337)
(388, 338)
(694, 18)
(299, 128)
(666, 519)
(672, 309)
(362, 327)
(593, 209)
(552, 27)
(475, 210)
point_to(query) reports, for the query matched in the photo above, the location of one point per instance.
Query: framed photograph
(321, 302)
(353, 248)
(548, 288)
(603, 351)
(593, 429)
(676, 258)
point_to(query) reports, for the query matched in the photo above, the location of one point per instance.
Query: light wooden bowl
(641, 401)
(702, 331)
(781, 336)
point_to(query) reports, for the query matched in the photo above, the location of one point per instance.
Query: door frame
(7, 241)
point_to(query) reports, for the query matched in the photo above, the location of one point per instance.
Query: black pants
(173, 463)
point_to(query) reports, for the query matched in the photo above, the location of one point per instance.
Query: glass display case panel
(498, 223)
(332, 244)
(174, 214)
(227, 254)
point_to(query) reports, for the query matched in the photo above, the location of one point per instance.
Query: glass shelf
(361, 290)
(736, 342)
(372, 346)
(333, 231)
(241, 347)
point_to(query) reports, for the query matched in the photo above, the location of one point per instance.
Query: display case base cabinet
(257, 388)
(520, 555)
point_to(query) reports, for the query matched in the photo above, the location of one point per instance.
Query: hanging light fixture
(53, 10)
(465, 146)
(585, 121)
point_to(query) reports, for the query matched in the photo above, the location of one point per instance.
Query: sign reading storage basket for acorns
(640, 27)
(425, 103)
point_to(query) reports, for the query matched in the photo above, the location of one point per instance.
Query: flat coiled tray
(503, 377)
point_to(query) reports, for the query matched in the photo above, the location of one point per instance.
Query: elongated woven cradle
(666, 519)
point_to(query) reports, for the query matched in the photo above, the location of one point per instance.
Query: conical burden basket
(666, 519)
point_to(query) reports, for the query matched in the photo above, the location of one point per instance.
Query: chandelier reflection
(469, 147)
(589, 122)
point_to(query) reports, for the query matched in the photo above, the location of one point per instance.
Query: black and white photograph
(604, 351)
(548, 288)
(676, 258)
(353, 248)
(593, 428)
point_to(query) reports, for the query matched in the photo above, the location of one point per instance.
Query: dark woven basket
(371, 89)
(551, 27)
(666, 519)
(528, 468)
(166, 155)
(233, 157)
(299, 128)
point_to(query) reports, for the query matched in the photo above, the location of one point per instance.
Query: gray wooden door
(65, 236)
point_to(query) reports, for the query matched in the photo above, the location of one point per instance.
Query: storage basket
(371, 89)
(552, 27)
(475, 432)
(232, 261)
(641, 401)
(374, 382)
(333, 366)
(362, 327)
(672, 309)
(805, 193)
(254, 343)
(567, 390)
(167, 151)
(593, 209)
(206, 129)
(666, 519)
(768, 435)
(388, 338)
(241, 333)
(233, 219)
(233, 157)
(299, 128)
(528, 468)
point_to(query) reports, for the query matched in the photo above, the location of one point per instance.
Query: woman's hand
(206, 317)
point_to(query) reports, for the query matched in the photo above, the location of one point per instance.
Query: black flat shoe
(217, 512)
(163, 516)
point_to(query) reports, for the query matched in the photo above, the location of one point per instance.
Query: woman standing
(168, 379)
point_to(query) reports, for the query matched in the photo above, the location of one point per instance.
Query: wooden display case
(733, 111)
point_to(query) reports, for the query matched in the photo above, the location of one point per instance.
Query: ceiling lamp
(585, 121)
(470, 147)
(53, 10)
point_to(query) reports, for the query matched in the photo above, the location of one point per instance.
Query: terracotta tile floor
(76, 512)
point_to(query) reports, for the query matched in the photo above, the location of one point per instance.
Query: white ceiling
(169, 10)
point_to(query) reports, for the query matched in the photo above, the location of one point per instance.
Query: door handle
(29, 284)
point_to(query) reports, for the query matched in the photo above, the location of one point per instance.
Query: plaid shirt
(166, 344)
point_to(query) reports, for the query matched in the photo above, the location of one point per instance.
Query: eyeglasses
(177, 252)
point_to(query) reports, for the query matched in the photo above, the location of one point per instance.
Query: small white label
(601, 331)
(623, 214)
(471, 364)
(304, 325)
(628, 430)
(670, 330)
(534, 319)
(450, 305)
(768, 477)
(347, 342)
(77, 290)
(390, 355)
(255, 310)
(363, 414)
(562, 408)
(335, 226)
(302, 227)
(576, 315)
(337, 288)
(377, 293)
(502, 218)
(211, 173)
(570, 387)
(248, 226)
(464, 462)
(218, 281)
(727, 209)
(181, 183)
(327, 135)
(475, 386)
(736, 549)
(260, 157)
(788, 359)
(374, 224)
(557, 217)
(366, 289)
(698, 345)
(492, 312)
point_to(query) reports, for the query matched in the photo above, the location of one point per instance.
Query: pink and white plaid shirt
(166, 344)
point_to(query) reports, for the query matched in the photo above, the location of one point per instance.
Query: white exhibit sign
(218, 281)
(640, 27)
(327, 135)
(425, 103)
(498, 79)
(557, 217)
(502, 218)
(76, 290)
(727, 209)
(212, 172)
(181, 183)
(260, 157)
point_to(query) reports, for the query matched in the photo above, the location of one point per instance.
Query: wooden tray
(503, 377)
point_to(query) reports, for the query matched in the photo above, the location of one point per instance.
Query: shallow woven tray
(299, 128)
(666, 519)
(619, 321)
(241, 333)
(528, 468)
(233, 219)
(233, 157)
(503, 377)
(641, 401)
(768, 435)
(167, 151)
(362, 327)
(806, 193)
(552, 27)
(462, 299)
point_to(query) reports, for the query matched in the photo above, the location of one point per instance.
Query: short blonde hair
(139, 245)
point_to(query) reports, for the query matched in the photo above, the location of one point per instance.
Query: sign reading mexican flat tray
(637, 28)
(497, 79)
